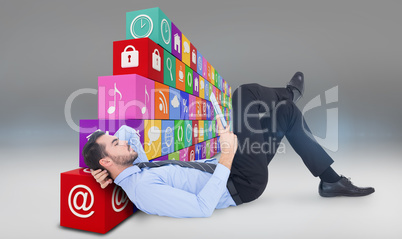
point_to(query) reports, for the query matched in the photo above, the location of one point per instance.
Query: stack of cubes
(160, 87)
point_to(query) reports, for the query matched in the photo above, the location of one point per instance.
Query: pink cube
(125, 97)
(183, 154)
(204, 68)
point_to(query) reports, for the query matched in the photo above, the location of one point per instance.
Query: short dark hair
(93, 152)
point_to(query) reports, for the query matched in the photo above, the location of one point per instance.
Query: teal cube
(151, 23)
(188, 133)
(209, 129)
(206, 90)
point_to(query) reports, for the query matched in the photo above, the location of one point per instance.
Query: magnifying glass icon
(169, 66)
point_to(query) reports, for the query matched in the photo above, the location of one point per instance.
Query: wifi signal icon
(163, 105)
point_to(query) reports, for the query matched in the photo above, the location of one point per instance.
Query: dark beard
(124, 161)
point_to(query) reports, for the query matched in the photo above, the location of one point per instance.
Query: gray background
(49, 49)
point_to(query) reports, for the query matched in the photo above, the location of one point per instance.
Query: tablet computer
(217, 109)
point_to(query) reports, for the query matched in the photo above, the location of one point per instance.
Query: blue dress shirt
(173, 190)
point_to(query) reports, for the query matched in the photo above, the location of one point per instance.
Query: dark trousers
(259, 138)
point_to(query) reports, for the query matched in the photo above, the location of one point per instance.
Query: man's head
(107, 152)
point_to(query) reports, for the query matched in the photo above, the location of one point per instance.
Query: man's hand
(228, 142)
(102, 177)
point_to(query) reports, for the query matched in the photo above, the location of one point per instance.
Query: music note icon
(112, 108)
(146, 94)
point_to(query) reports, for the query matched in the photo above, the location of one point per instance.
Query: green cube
(213, 128)
(189, 80)
(208, 149)
(206, 130)
(179, 136)
(174, 156)
(217, 84)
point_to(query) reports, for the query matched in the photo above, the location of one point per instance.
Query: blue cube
(167, 137)
(175, 103)
(184, 105)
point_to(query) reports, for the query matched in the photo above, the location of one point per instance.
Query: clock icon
(141, 26)
(165, 31)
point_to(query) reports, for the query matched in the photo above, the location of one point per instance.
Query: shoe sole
(322, 194)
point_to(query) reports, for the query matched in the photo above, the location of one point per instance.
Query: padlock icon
(129, 58)
(156, 60)
(194, 57)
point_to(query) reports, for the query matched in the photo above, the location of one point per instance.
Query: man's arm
(164, 200)
(130, 135)
(102, 177)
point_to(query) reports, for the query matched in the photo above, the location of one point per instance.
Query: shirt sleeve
(164, 200)
(130, 135)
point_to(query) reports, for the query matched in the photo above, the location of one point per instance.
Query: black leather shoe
(296, 84)
(343, 187)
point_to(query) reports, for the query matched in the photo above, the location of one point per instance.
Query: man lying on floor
(190, 189)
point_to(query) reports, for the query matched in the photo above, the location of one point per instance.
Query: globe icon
(169, 136)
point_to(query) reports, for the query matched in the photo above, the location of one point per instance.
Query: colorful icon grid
(160, 88)
(162, 79)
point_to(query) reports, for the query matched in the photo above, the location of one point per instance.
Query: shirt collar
(126, 173)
